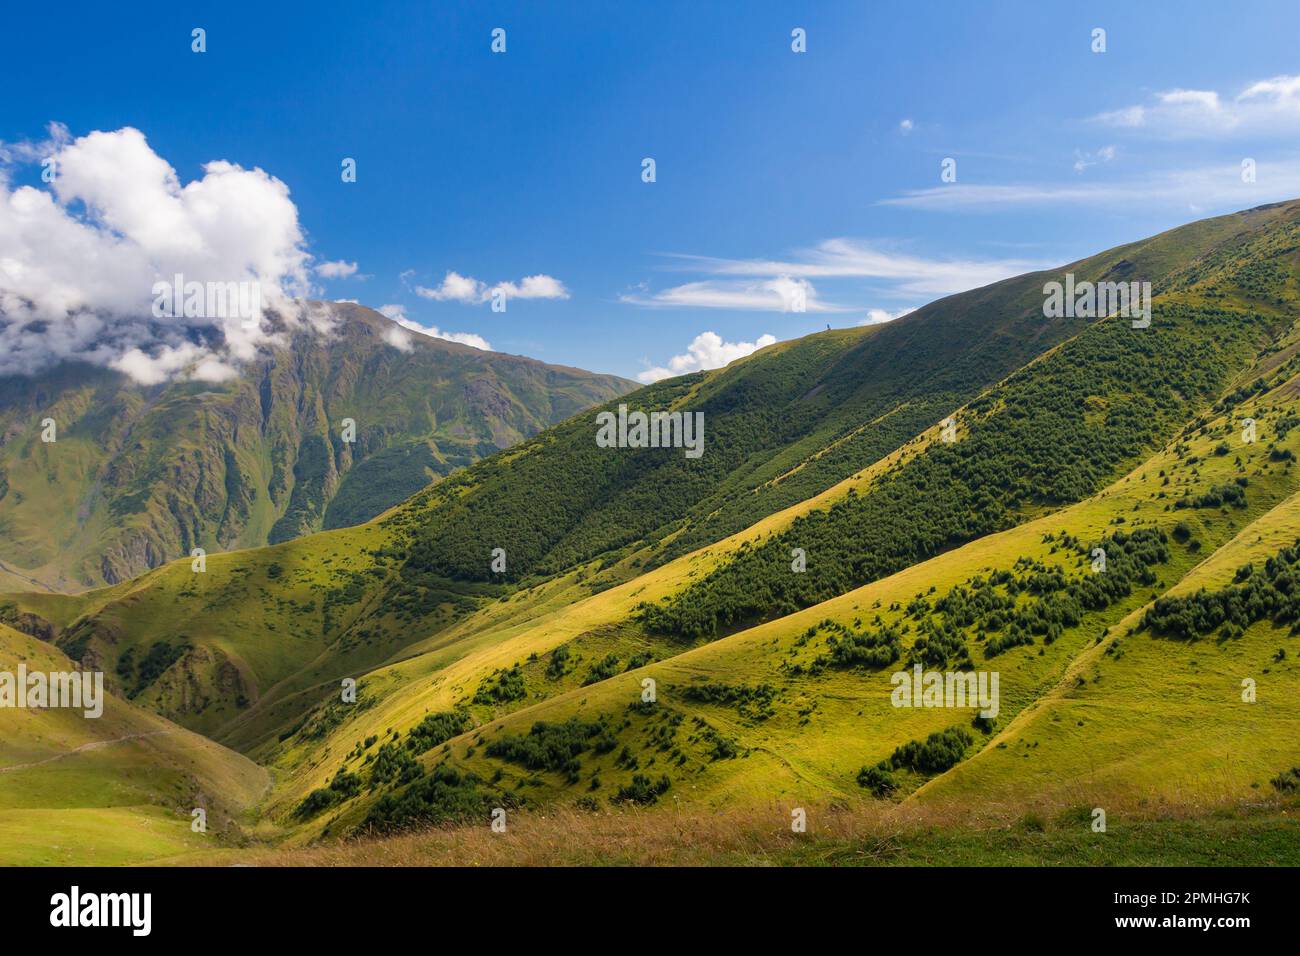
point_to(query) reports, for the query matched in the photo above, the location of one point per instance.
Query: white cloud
(78, 261)
(1131, 117)
(167, 361)
(707, 350)
(454, 287)
(857, 259)
(336, 270)
(1197, 99)
(533, 287)
(1082, 160)
(778, 294)
(458, 288)
(781, 285)
(879, 316)
(906, 126)
(1206, 187)
(398, 338)
(1265, 107)
(33, 151)
(401, 340)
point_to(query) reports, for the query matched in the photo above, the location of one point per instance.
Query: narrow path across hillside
(93, 745)
(30, 580)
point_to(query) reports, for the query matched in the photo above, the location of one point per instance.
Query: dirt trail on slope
(41, 585)
(93, 745)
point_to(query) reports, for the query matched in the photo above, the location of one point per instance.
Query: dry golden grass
(863, 833)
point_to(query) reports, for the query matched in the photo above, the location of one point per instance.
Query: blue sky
(775, 170)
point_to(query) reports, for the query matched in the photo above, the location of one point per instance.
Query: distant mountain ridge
(140, 475)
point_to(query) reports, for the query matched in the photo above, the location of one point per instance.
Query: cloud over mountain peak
(82, 254)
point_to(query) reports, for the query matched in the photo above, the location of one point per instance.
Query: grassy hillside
(775, 712)
(141, 475)
(117, 789)
(653, 644)
(783, 425)
(802, 703)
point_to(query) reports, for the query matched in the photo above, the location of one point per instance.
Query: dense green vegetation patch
(940, 751)
(502, 686)
(1270, 593)
(1036, 440)
(555, 747)
(443, 795)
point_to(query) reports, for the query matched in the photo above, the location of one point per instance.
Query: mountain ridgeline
(796, 418)
(141, 475)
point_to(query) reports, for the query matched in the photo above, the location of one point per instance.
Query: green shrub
(642, 791)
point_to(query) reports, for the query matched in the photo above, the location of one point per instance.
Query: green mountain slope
(782, 425)
(772, 682)
(141, 475)
(1055, 432)
(795, 710)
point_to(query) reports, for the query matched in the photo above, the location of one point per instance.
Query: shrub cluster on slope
(940, 751)
(1271, 593)
(1008, 608)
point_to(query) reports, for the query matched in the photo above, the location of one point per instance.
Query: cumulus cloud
(878, 316)
(401, 340)
(79, 260)
(707, 350)
(470, 291)
(167, 361)
(336, 270)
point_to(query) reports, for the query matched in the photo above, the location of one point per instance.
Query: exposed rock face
(27, 623)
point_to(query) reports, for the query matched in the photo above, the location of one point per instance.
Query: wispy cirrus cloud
(785, 285)
(1083, 160)
(1267, 111)
(777, 294)
(906, 274)
(1211, 186)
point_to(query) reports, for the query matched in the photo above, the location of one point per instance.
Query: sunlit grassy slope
(120, 788)
(811, 734)
(771, 684)
(1198, 740)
